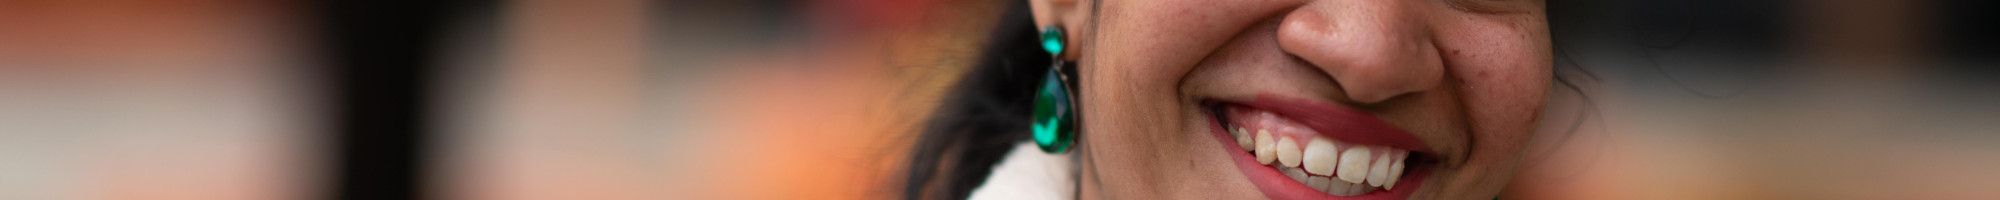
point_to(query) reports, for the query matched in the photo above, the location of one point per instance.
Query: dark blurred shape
(382, 56)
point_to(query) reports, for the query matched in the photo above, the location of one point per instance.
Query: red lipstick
(1327, 120)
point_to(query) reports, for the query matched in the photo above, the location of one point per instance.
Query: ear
(1070, 14)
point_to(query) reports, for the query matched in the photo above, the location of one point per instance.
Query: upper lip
(1338, 122)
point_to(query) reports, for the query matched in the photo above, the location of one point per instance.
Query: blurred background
(817, 99)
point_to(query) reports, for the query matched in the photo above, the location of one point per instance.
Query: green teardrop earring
(1055, 112)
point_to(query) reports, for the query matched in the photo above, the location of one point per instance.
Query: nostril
(1372, 56)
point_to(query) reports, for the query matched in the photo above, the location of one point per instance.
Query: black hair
(983, 115)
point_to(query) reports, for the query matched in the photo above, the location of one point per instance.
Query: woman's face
(1448, 89)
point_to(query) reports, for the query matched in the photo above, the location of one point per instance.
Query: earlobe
(1045, 11)
(1051, 12)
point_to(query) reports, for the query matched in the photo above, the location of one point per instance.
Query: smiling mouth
(1306, 150)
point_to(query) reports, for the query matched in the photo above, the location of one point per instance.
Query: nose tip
(1375, 50)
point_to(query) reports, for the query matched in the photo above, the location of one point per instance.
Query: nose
(1374, 49)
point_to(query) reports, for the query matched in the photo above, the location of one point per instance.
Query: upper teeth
(1243, 138)
(1328, 165)
(1319, 156)
(1288, 152)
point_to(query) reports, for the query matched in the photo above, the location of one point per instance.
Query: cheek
(1135, 61)
(1503, 72)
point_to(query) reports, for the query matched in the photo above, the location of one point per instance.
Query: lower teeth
(1327, 184)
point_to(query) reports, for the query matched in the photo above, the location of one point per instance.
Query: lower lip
(1279, 187)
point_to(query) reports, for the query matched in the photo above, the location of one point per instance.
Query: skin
(1466, 76)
